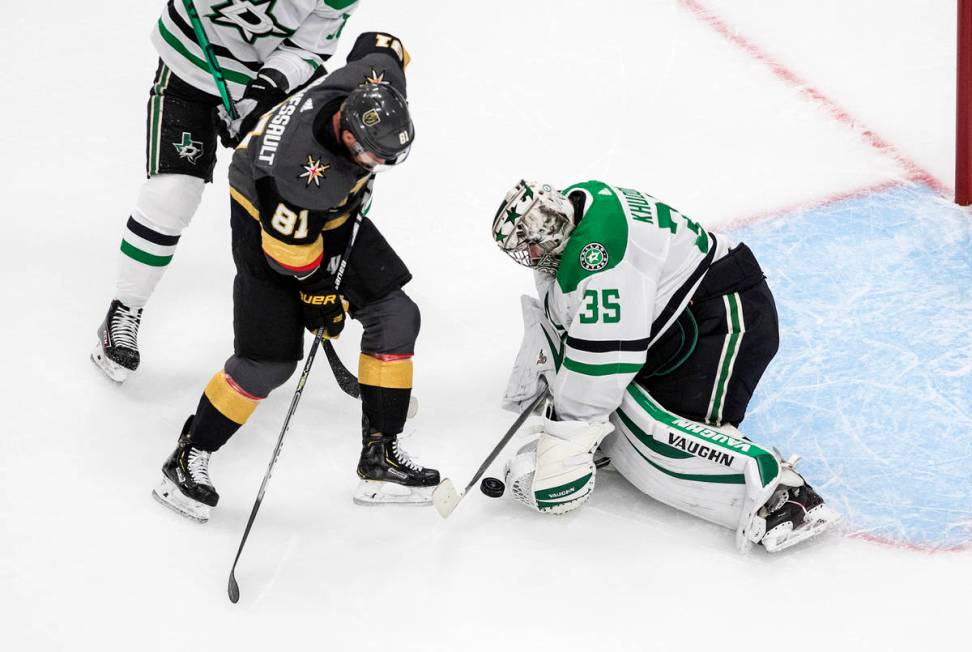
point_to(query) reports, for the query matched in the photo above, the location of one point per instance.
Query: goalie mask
(533, 224)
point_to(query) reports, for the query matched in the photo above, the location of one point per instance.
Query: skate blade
(376, 492)
(113, 370)
(823, 518)
(445, 498)
(168, 494)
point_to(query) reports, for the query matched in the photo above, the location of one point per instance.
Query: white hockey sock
(164, 208)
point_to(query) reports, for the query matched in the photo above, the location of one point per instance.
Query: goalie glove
(264, 92)
(556, 472)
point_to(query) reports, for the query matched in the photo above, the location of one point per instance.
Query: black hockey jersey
(293, 175)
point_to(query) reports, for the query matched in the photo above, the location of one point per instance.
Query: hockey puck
(492, 487)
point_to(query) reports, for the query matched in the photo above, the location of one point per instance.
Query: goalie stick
(446, 498)
(232, 587)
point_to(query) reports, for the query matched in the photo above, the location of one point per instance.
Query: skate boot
(389, 475)
(795, 513)
(117, 350)
(186, 487)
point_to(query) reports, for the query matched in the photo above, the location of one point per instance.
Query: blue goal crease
(872, 384)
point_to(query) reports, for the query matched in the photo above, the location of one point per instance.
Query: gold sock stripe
(393, 374)
(227, 397)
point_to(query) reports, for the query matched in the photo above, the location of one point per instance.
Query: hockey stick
(232, 588)
(214, 67)
(446, 498)
(346, 380)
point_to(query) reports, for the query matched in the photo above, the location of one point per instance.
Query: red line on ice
(748, 220)
(915, 172)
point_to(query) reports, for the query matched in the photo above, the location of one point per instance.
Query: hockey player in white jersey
(266, 50)
(652, 334)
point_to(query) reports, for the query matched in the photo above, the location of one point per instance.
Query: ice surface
(641, 94)
(871, 383)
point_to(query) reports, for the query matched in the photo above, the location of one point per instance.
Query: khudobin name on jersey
(292, 36)
(628, 270)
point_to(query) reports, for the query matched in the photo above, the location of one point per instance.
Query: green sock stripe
(144, 257)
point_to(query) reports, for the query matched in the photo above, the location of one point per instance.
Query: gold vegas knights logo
(252, 18)
(314, 171)
(370, 118)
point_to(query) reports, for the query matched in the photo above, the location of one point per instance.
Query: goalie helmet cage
(963, 108)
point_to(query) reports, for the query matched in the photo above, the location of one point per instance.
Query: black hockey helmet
(377, 116)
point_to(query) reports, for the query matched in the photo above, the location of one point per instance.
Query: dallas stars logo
(189, 149)
(252, 18)
(594, 257)
(314, 171)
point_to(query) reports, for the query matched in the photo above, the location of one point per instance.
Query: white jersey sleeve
(314, 42)
(292, 36)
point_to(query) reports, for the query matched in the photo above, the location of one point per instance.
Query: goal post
(963, 109)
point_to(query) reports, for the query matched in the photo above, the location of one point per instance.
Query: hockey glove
(268, 89)
(323, 307)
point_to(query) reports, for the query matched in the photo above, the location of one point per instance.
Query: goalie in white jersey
(652, 334)
(266, 50)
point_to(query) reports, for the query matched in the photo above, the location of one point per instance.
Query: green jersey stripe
(602, 369)
(144, 257)
(178, 46)
(730, 478)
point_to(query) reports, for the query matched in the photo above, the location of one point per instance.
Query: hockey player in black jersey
(297, 182)
(265, 51)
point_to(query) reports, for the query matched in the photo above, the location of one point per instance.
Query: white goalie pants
(711, 472)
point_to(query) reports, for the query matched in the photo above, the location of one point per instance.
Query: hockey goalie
(651, 334)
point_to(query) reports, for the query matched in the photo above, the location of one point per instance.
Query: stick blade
(232, 588)
(445, 498)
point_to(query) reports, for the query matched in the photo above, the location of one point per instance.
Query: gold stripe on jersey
(297, 258)
(232, 401)
(392, 374)
(247, 205)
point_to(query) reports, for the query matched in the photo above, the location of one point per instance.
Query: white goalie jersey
(628, 270)
(292, 36)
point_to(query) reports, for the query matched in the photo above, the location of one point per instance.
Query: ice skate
(117, 350)
(186, 487)
(795, 514)
(389, 476)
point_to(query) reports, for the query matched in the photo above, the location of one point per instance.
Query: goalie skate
(799, 514)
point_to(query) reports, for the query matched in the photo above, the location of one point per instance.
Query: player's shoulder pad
(600, 240)
(379, 43)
